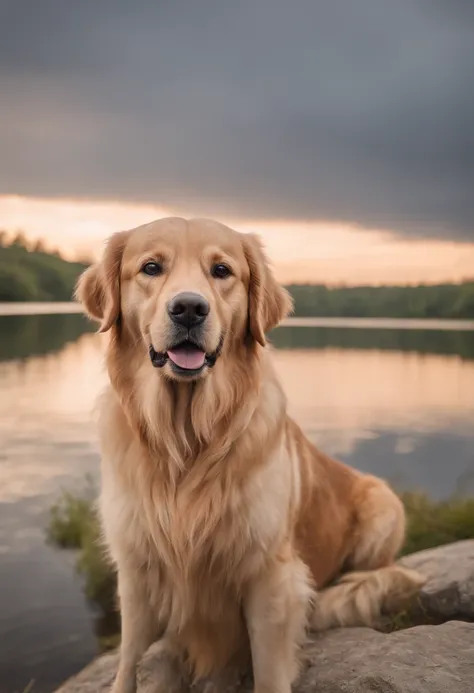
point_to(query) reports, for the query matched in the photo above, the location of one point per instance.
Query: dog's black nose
(188, 309)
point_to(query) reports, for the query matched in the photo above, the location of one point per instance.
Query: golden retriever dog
(230, 531)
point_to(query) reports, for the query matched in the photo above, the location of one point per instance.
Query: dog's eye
(153, 269)
(220, 271)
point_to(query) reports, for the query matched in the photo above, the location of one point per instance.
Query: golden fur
(224, 522)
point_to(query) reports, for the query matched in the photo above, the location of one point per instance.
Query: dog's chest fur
(196, 546)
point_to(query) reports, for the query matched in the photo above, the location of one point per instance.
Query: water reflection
(46, 418)
(47, 441)
(347, 390)
(399, 404)
(405, 416)
(26, 336)
(458, 343)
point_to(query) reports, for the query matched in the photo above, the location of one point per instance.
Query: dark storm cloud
(356, 110)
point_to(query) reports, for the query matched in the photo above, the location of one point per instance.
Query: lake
(395, 400)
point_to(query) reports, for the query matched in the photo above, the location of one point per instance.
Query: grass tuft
(434, 523)
(74, 524)
(71, 518)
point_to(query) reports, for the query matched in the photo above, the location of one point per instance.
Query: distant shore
(68, 307)
(382, 323)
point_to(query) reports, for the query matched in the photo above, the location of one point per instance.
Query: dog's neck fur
(181, 424)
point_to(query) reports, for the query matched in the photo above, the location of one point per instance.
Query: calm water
(397, 402)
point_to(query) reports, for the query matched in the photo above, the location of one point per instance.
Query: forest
(30, 273)
(424, 301)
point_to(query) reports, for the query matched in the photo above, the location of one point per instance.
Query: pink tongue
(187, 357)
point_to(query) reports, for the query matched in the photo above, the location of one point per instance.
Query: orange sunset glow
(301, 252)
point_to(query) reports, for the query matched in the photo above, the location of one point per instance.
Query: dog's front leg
(139, 628)
(276, 609)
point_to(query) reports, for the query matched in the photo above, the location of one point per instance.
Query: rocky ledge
(419, 659)
(449, 592)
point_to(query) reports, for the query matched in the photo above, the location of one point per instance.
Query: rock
(424, 659)
(95, 678)
(449, 592)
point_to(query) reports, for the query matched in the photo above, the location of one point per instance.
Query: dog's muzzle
(186, 358)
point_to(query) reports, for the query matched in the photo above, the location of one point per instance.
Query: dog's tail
(361, 598)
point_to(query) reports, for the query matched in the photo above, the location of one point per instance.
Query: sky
(341, 131)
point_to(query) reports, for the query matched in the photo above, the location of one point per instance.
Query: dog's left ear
(98, 288)
(269, 302)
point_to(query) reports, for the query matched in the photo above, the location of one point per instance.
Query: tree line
(424, 301)
(33, 274)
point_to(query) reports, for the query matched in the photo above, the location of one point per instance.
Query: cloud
(351, 110)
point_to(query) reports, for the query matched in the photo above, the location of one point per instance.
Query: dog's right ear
(98, 287)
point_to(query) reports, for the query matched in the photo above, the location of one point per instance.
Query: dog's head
(188, 292)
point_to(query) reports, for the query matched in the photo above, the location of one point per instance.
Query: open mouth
(185, 358)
